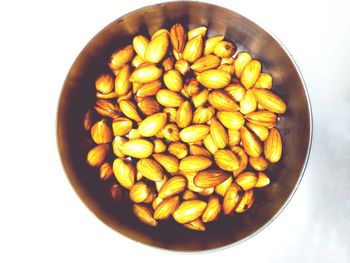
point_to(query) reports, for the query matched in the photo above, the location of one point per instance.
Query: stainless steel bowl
(78, 95)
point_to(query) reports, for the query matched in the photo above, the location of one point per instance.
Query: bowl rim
(83, 196)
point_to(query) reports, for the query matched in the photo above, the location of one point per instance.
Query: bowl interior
(78, 95)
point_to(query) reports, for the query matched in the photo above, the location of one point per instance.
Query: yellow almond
(240, 63)
(231, 119)
(101, 132)
(225, 49)
(122, 84)
(234, 137)
(188, 195)
(202, 30)
(121, 126)
(182, 66)
(148, 106)
(97, 155)
(214, 79)
(144, 214)
(129, 110)
(270, 101)
(107, 109)
(150, 169)
(203, 114)
(184, 115)
(168, 98)
(171, 132)
(140, 44)
(246, 202)
(248, 103)
(210, 44)
(134, 134)
(196, 225)
(226, 160)
(250, 143)
(166, 208)
(153, 124)
(149, 89)
(124, 172)
(221, 189)
(200, 98)
(159, 146)
(173, 80)
(264, 81)
(258, 163)
(104, 84)
(260, 131)
(106, 171)
(263, 180)
(273, 146)
(212, 210)
(263, 118)
(197, 150)
(193, 49)
(243, 159)
(121, 57)
(205, 63)
(222, 100)
(246, 180)
(178, 37)
(118, 140)
(178, 149)
(236, 91)
(173, 186)
(191, 87)
(157, 48)
(139, 192)
(171, 113)
(210, 178)
(194, 133)
(232, 198)
(218, 134)
(210, 145)
(194, 163)
(250, 73)
(189, 210)
(169, 162)
(137, 148)
(146, 74)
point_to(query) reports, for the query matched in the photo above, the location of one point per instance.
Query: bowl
(78, 95)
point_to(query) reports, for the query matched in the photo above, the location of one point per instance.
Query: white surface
(42, 220)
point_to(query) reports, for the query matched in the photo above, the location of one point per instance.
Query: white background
(41, 217)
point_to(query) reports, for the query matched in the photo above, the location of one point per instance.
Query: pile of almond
(190, 124)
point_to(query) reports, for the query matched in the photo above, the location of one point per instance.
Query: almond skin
(139, 192)
(222, 100)
(231, 120)
(157, 48)
(263, 118)
(246, 202)
(101, 133)
(270, 101)
(218, 134)
(184, 115)
(193, 49)
(205, 63)
(250, 73)
(97, 155)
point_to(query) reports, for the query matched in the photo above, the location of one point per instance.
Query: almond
(137, 148)
(232, 198)
(168, 161)
(194, 163)
(212, 210)
(153, 124)
(247, 180)
(194, 133)
(210, 178)
(214, 79)
(189, 210)
(97, 155)
(173, 186)
(144, 214)
(124, 172)
(273, 146)
(166, 208)
(250, 143)
(226, 160)
(150, 169)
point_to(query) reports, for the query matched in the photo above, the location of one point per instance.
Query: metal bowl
(78, 95)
